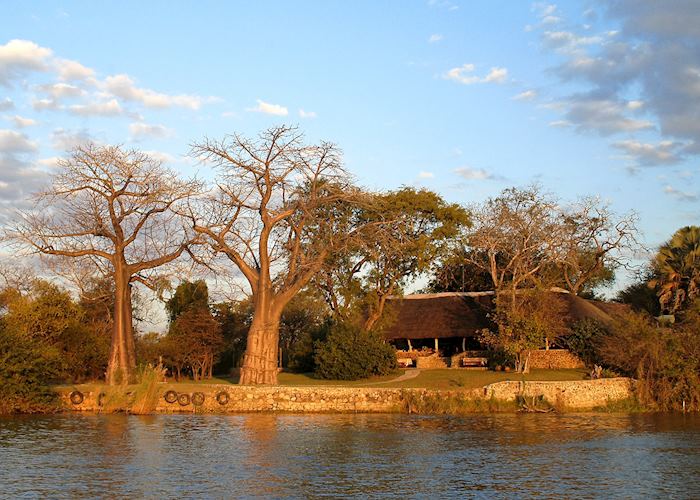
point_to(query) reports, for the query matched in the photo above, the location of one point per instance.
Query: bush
(583, 340)
(26, 368)
(301, 354)
(665, 361)
(349, 353)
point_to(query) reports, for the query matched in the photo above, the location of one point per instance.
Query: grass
(427, 379)
(296, 379)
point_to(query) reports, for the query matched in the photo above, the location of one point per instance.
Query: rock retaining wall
(574, 394)
(555, 359)
(323, 399)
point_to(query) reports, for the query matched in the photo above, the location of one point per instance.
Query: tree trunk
(121, 367)
(260, 359)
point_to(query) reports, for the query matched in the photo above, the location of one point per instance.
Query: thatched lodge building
(449, 324)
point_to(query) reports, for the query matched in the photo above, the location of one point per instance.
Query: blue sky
(466, 98)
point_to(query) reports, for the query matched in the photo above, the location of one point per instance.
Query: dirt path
(408, 375)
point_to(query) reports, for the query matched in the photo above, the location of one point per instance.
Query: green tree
(358, 282)
(188, 294)
(677, 269)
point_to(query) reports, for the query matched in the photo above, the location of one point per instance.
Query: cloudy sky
(464, 97)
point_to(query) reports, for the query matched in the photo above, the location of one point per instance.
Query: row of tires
(77, 397)
(183, 399)
(197, 398)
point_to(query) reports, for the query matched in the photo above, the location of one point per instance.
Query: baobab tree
(280, 211)
(116, 209)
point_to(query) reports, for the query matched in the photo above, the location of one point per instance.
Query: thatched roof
(439, 315)
(463, 314)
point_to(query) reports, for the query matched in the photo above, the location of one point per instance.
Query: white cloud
(109, 108)
(61, 90)
(464, 75)
(6, 104)
(527, 95)
(560, 123)
(12, 141)
(663, 153)
(435, 37)
(496, 75)
(51, 162)
(474, 174)
(680, 195)
(269, 109)
(161, 156)
(72, 70)
(21, 122)
(307, 114)
(141, 131)
(123, 87)
(65, 140)
(44, 104)
(426, 175)
(20, 56)
(604, 116)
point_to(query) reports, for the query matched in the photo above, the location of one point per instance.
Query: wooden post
(410, 347)
(464, 344)
(436, 346)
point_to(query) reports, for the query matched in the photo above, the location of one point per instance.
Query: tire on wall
(183, 399)
(170, 396)
(198, 398)
(76, 397)
(222, 398)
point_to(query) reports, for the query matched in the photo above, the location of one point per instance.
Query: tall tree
(114, 207)
(677, 269)
(516, 236)
(274, 217)
(420, 228)
(596, 241)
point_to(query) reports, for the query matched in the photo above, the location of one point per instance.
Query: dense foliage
(665, 361)
(26, 369)
(351, 353)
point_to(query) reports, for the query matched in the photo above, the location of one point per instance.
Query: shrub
(301, 354)
(349, 353)
(26, 368)
(665, 361)
(584, 337)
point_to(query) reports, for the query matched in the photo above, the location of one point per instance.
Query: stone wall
(324, 399)
(557, 359)
(433, 361)
(574, 394)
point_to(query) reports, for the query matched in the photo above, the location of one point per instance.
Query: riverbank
(504, 396)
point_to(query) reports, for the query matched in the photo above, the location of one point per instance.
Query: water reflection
(272, 456)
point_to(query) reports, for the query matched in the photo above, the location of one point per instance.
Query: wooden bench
(474, 362)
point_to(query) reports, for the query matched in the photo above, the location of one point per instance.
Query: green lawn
(301, 379)
(429, 379)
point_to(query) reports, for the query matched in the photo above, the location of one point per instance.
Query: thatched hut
(452, 321)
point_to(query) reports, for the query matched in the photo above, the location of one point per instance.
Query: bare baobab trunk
(260, 360)
(122, 354)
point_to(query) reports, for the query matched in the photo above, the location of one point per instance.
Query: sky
(462, 97)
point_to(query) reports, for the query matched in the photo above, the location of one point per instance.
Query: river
(362, 456)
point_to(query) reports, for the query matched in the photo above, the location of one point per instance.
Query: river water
(361, 456)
